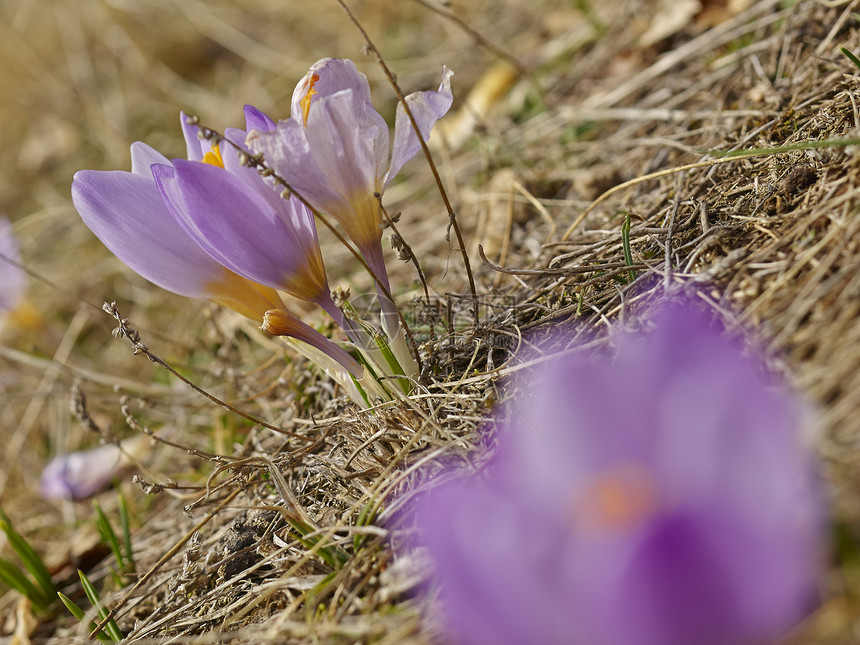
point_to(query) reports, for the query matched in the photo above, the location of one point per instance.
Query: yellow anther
(306, 101)
(214, 157)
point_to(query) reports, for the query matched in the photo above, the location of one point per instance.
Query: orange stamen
(306, 101)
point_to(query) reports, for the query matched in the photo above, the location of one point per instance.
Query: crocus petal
(348, 199)
(80, 474)
(455, 519)
(427, 108)
(334, 149)
(143, 157)
(688, 581)
(127, 214)
(351, 118)
(287, 151)
(693, 600)
(237, 137)
(327, 77)
(12, 279)
(193, 145)
(346, 145)
(238, 227)
(257, 120)
(664, 498)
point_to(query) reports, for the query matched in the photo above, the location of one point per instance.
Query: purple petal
(287, 151)
(126, 212)
(472, 534)
(236, 137)
(238, 227)
(348, 199)
(142, 157)
(250, 176)
(638, 410)
(334, 150)
(705, 577)
(193, 145)
(329, 76)
(663, 498)
(351, 148)
(678, 588)
(348, 137)
(12, 278)
(257, 120)
(80, 474)
(427, 108)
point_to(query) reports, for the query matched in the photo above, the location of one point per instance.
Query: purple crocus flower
(334, 149)
(12, 279)
(210, 228)
(81, 474)
(665, 498)
(242, 221)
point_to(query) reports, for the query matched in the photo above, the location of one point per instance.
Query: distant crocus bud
(664, 498)
(81, 474)
(279, 322)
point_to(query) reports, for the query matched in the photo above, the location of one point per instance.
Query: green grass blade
(13, 577)
(365, 518)
(360, 390)
(332, 555)
(112, 629)
(850, 56)
(312, 608)
(76, 611)
(585, 8)
(29, 558)
(108, 535)
(80, 614)
(393, 364)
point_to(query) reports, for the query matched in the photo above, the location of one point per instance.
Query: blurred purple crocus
(334, 149)
(665, 498)
(12, 279)
(81, 474)
(210, 228)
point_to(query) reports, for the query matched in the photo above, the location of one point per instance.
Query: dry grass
(769, 242)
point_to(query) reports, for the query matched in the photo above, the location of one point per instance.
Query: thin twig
(139, 348)
(194, 452)
(479, 38)
(561, 272)
(403, 247)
